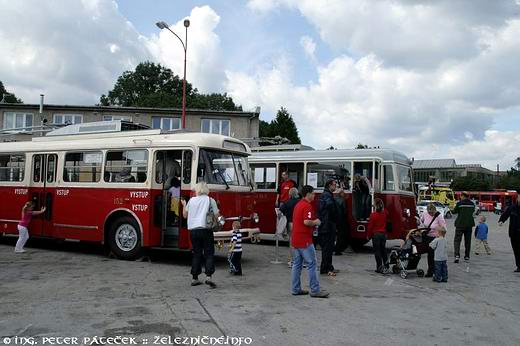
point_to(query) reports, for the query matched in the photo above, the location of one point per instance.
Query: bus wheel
(357, 244)
(125, 238)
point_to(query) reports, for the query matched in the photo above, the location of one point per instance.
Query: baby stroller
(407, 257)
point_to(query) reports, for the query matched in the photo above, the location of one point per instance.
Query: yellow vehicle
(440, 194)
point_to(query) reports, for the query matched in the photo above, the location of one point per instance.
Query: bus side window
(295, 171)
(264, 175)
(388, 178)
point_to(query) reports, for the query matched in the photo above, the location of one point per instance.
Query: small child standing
(235, 250)
(439, 244)
(481, 232)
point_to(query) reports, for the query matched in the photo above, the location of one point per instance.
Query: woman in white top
(202, 240)
(433, 220)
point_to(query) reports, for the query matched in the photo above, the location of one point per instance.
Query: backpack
(212, 222)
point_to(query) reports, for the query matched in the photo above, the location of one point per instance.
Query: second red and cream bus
(100, 183)
(389, 173)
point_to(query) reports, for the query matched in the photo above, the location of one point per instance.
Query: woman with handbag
(431, 220)
(202, 213)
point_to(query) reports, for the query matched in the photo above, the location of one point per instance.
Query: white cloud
(309, 47)
(204, 66)
(73, 59)
(69, 50)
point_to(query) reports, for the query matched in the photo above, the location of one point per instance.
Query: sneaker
(517, 270)
(20, 251)
(466, 259)
(301, 293)
(195, 282)
(210, 283)
(456, 259)
(320, 294)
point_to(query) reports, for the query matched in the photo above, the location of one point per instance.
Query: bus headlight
(221, 220)
(407, 212)
(256, 218)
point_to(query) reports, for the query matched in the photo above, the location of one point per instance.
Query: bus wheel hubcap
(126, 237)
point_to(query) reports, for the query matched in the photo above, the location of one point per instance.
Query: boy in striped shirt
(235, 250)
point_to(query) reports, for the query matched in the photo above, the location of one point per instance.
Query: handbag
(212, 222)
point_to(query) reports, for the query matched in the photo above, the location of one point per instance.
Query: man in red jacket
(304, 222)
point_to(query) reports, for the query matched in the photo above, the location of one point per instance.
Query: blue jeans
(309, 256)
(441, 271)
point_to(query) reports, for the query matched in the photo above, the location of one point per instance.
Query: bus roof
(341, 154)
(128, 139)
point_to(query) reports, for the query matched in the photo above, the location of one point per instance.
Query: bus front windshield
(223, 168)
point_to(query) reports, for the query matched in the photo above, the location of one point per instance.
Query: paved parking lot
(71, 289)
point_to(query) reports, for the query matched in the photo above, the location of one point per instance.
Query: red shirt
(377, 223)
(301, 235)
(284, 190)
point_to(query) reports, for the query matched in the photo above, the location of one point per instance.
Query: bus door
(42, 191)
(364, 185)
(169, 180)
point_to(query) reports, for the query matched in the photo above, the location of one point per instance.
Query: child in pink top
(23, 232)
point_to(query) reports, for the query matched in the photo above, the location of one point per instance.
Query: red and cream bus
(388, 171)
(108, 182)
(497, 200)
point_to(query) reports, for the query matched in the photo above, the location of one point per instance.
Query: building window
(117, 117)
(217, 126)
(17, 120)
(68, 119)
(166, 123)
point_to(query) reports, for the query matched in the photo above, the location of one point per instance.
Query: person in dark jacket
(342, 224)
(328, 214)
(513, 214)
(463, 225)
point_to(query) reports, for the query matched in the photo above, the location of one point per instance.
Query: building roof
(115, 109)
(434, 163)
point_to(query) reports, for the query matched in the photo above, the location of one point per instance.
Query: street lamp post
(162, 25)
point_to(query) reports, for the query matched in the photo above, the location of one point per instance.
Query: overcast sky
(432, 78)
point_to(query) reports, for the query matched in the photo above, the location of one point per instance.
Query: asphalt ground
(73, 290)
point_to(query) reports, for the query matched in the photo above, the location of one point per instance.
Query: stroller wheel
(404, 274)
(420, 273)
(395, 269)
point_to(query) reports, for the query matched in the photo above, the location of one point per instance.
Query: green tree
(361, 146)
(469, 183)
(283, 125)
(265, 129)
(214, 101)
(152, 85)
(7, 96)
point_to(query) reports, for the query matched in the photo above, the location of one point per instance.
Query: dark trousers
(341, 239)
(515, 244)
(327, 249)
(203, 250)
(459, 232)
(235, 262)
(379, 244)
(431, 255)
(441, 271)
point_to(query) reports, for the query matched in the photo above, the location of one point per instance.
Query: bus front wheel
(125, 238)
